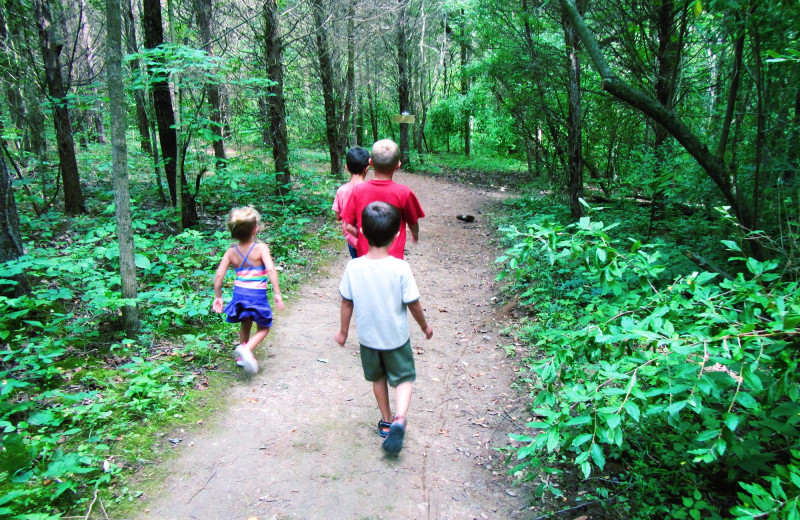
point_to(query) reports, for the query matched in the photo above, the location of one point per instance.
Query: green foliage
(78, 398)
(687, 383)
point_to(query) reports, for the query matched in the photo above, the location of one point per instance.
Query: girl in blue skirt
(251, 261)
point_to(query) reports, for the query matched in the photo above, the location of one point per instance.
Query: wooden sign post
(403, 118)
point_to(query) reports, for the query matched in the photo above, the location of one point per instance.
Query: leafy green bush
(688, 383)
(76, 395)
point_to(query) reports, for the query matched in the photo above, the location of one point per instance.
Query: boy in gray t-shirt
(379, 288)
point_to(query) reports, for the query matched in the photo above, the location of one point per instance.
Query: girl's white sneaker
(249, 362)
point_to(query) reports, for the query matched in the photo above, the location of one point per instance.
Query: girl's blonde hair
(242, 222)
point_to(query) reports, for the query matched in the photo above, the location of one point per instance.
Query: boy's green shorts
(397, 364)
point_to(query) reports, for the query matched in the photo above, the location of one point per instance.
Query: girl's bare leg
(258, 337)
(244, 331)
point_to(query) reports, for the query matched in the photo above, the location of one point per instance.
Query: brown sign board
(403, 118)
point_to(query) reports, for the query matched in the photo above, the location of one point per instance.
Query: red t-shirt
(398, 195)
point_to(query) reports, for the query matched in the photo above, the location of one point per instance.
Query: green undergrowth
(500, 172)
(658, 389)
(83, 405)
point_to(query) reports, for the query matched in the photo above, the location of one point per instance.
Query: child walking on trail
(357, 163)
(251, 261)
(385, 162)
(379, 288)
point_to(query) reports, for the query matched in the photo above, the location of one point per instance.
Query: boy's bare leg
(381, 391)
(402, 397)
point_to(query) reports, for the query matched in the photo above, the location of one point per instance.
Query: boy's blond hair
(385, 155)
(242, 222)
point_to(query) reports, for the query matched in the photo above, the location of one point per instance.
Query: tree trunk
(165, 116)
(10, 239)
(180, 198)
(373, 112)
(162, 100)
(575, 155)
(760, 123)
(733, 90)
(349, 79)
(119, 157)
(326, 78)
(402, 80)
(139, 95)
(277, 106)
(95, 114)
(466, 113)
(204, 14)
(51, 51)
(668, 58)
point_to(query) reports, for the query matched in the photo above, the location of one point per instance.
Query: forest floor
(299, 439)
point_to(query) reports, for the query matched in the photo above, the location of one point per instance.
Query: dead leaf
(251, 400)
(510, 493)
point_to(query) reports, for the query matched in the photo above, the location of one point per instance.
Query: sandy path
(300, 440)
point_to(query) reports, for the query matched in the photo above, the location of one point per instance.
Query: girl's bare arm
(217, 305)
(272, 273)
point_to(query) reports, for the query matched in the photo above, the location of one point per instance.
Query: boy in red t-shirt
(385, 161)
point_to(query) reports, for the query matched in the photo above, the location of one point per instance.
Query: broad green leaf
(633, 410)
(731, 421)
(597, 455)
(746, 400)
(141, 261)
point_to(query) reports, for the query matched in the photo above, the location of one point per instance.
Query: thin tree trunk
(326, 78)
(402, 80)
(466, 113)
(10, 238)
(575, 156)
(119, 155)
(94, 114)
(139, 95)
(277, 105)
(760, 123)
(162, 100)
(349, 79)
(176, 87)
(668, 57)
(203, 12)
(373, 114)
(51, 50)
(733, 90)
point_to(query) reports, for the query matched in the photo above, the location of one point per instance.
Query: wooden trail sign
(403, 118)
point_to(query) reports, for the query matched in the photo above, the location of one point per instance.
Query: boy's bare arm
(414, 231)
(351, 229)
(415, 308)
(345, 314)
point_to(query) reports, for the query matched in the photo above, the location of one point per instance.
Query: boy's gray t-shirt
(380, 291)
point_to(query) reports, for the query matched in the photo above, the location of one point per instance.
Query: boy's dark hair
(357, 160)
(380, 222)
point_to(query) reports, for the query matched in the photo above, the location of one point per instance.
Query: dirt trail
(300, 440)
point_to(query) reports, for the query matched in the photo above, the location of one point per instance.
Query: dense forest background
(652, 248)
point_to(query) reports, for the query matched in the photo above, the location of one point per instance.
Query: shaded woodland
(652, 148)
